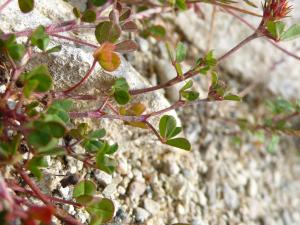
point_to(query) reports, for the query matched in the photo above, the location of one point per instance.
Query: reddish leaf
(41, 213)
(129, 26)
(126, 46)
(107, 58)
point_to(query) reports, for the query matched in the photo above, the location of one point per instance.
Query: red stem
(77, 41)
(240, 45)
(58, 213)
(89, 72)
(5, 4)
(241, 19)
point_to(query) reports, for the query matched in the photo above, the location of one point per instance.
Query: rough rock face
(259, 61)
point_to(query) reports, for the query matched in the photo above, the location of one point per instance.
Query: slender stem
(237, 47)
(155, 132)
(225, 6)
(241, 19)
(59, 200)
(89, 72)
(141, 118)
(5, 4)
(58, 213)
(76, 41)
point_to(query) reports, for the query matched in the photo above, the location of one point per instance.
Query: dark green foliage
(120, 91)
(107, 31)
(26, 6)
(168, 130)
(40, 38)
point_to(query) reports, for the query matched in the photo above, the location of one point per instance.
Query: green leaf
(105, 163)
(40, 38)
(120, 84)
(56, 151)
(92, 145)
(54, 49)
(214, 79)
(99, 2)
(181, 51)
(187, 86)
(232, 97)
(83, 192)
(167, 125)
(107, 31)
(89, 16)
(29, 87)
(274, 143)
(76, 12)
(101, 211)
(122, 97)
(181, 4)
(26, 5)
(39, 138)
(276, 29)
(55, 129)
(41, 75)
(96, 134)
(4, 150)
(35, 164)
(63, 104)
(181, 143)
(16, 51)
(292, 33)
(157, 31)
(178, 69)
(190, 95)
(62, 115)
(280, 106)
(112, 149)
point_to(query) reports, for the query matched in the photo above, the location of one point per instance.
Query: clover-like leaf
(88, 16)
(35, 164)
(83, 192)
(167, 125)
(16, 51)
(38, 79)
(40, 38)
(107, 31)
(105, 163)
(107, 58)
(26, 5)
(126, 46)
(181, 143)
(96, 134)
(292, 33)
(101, 211)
